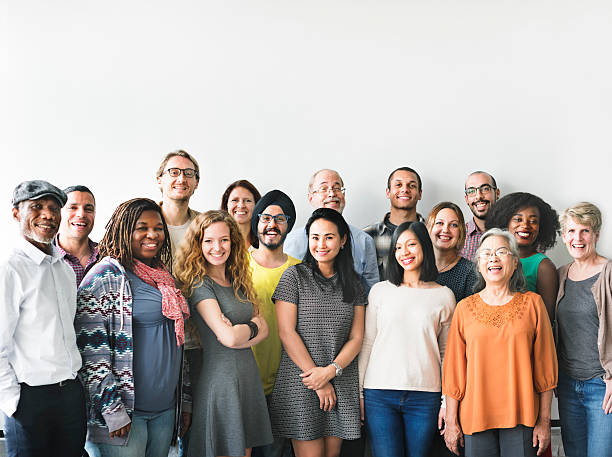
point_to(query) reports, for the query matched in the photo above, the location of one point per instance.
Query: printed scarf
(174, 305)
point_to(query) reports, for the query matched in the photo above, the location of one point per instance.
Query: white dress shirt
(37, 308)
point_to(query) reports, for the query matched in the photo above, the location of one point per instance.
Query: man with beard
(326, 190)
(481, 193)
(78, 216)
(273, 218)
(404, 190)
(40, 395)
(178, 177)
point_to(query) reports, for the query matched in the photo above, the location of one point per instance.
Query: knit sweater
(103, 326)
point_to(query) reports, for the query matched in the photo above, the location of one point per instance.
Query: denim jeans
(400, 422)
(49, 421)
(150, 436)
(585, 429)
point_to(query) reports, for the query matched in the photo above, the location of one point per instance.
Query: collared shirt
(75, 263)
(364, 253)
(381, 233)
(37, 309)
(472, 238)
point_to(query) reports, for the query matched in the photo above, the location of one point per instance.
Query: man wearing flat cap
(273, 218)
(40, 396)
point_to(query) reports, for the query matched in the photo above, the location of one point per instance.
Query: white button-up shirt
(37, 308)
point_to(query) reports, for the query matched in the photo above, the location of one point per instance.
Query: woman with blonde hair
(212, 269)
(584, 336)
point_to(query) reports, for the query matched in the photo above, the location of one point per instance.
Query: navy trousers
(50, 421)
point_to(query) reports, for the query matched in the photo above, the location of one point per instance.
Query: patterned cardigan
(103, 326)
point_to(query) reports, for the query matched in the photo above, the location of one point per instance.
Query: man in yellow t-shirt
(273, 218)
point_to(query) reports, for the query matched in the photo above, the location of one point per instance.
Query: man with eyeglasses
(178, 177)
(481, 193)
(404, 190)
(273, 218)
(326, 190)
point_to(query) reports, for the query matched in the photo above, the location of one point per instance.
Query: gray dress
(230, 410)
(324, 323)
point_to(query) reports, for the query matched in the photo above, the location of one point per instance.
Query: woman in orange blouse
(495, 394)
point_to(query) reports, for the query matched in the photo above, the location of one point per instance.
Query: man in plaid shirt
(481, 193)
(404, 190)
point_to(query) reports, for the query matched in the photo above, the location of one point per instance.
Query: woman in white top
(407, 323)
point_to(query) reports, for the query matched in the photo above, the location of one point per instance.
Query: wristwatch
(338, 368)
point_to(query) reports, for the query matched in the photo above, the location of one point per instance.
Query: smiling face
(216, 243)
(480, 202)
(272, 235)
(148, 236)
(78, 215)
(525, 226)
(333, 199)
(498, 266)
(408, 251)
(240, 205)
(324, 241)
(179, 188)
(445, 231)
(580, 240)
(39, 220)
(404, 192)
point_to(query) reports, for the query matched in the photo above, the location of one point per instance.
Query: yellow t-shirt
(268, 352)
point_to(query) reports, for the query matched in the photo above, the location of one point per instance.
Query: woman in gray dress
(320, 311)
(230, 412)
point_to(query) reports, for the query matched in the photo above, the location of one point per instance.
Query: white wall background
(97, 92)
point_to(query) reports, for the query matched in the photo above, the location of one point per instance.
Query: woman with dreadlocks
(130, 332)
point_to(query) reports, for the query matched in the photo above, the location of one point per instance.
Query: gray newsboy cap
(33, 190)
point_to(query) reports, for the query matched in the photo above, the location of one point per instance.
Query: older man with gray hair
(326, 190)
(40, 396)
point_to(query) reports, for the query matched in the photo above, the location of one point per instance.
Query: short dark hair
(179, 153)
(79, 188)
(343, 263)
(411, 170)
(502, 211)
(429, 271)
(480, 172)
(256, 197)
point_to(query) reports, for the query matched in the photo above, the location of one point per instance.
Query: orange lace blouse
(498, 359)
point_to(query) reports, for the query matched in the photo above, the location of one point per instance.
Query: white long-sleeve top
(405, 337)
(37, 308)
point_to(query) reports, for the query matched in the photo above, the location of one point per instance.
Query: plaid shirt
(381, 233)
(75, 263)
(472, 238)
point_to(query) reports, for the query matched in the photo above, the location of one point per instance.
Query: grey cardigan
(602, 293)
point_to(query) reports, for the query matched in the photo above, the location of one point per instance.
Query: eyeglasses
(499, 252)
(187, 172)
(324, 190)
(280, 219)
(484, 189)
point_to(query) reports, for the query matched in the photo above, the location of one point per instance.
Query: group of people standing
(239, 334)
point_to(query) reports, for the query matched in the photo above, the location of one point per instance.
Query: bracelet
(254, 329)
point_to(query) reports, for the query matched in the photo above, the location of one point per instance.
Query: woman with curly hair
(534, 225)
(212, 268)
(238, 200)
(130, 331)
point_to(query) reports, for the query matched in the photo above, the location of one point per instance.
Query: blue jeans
(585, 429)
(400, 423)
(150, 436)
(49, 421)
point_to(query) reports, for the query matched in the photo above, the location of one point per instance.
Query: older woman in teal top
(535, 226)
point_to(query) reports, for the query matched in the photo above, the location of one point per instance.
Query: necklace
(440, 270)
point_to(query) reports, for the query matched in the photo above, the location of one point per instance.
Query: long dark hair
(256, 196)
(117, 241)
(429, 272)
(343, 263)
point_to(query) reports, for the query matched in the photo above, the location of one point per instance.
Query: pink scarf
(174, 305)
